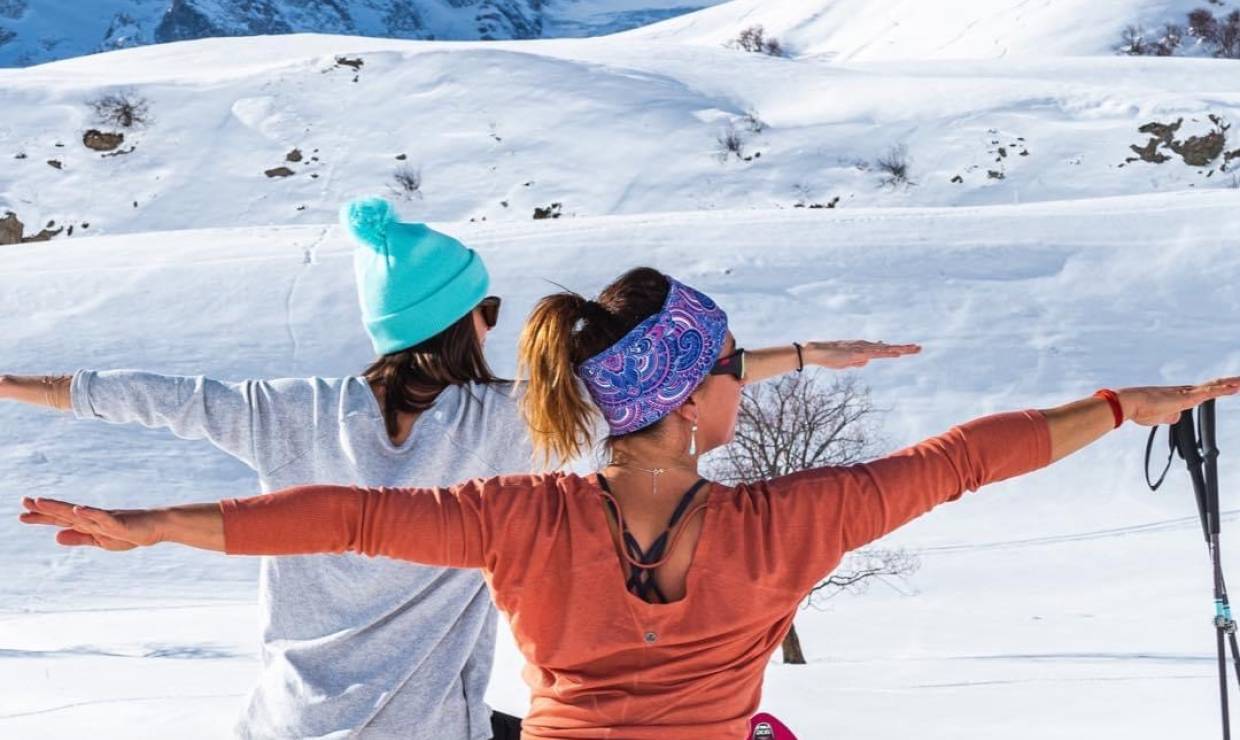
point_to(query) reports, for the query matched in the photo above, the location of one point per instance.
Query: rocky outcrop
(102, 141)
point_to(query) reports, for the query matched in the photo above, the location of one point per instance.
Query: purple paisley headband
(653, 369)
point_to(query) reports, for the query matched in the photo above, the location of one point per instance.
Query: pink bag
(765, 727)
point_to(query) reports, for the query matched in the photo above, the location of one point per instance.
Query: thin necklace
(654, 474)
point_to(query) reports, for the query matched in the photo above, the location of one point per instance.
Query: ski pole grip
(1112, 398)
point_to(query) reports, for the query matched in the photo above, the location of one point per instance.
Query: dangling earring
(693, 440)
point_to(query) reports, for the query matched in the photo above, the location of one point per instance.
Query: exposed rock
(551, 211)
(101, 141)
(11, 229)
(509, 19)
(1149, 152)
(293, 156)
(278, 172)
(56, 163)
(12, 9)
(1199, 151)
(1195, 151)
(354, 64)
(120, 152)
(184, 20)
(1162, 131)
(43, 236)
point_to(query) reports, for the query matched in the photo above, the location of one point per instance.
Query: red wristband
(1113, 399)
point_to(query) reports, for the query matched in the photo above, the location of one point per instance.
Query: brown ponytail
(564, 330)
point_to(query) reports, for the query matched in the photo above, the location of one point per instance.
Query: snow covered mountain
(504, 131)
(36, 31)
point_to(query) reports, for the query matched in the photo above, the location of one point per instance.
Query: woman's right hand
(1154, 405)
(87, 526)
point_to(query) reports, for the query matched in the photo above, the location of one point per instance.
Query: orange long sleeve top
(602, 663)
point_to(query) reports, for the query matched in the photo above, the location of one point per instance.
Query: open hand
(87, 526)
(857, 353)
(1156, 405)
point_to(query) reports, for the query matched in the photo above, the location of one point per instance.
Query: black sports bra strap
(641, 579)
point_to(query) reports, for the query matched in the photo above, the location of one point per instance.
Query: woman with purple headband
(621, 586)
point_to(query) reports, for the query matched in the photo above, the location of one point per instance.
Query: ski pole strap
(1149, 446)
(1112, 398)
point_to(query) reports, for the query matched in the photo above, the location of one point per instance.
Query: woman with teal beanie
(353, 647)
(348, 649)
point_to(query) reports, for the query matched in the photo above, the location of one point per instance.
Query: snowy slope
(37, 31)
(616, 125)
(890, 30)
(1074, 587)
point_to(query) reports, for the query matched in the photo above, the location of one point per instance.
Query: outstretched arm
(435, 526)
(223, 413)
(51, 391)
(821, 514)
(761, 364)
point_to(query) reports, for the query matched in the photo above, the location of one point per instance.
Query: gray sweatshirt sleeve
(190, 407)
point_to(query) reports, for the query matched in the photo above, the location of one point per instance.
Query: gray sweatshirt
(352, 646)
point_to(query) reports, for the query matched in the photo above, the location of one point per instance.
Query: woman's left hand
(858, 353)
(87, 526)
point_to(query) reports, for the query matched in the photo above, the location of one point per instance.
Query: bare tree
(729, 142)
(755, 40)
(800, 422)
(1228, 45)
(1132, 41)
(124, 108)
(895, 166)
(407, 182)
(1203, 25)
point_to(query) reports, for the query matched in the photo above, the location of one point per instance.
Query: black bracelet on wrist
(800, 357)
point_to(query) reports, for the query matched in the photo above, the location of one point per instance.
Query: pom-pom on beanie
(412, 281)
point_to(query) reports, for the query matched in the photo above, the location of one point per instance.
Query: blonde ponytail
(560, 416)
(563, 331)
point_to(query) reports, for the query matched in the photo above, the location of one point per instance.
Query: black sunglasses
(490, 310)
(733, 364)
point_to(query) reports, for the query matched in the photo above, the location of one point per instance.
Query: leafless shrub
(755, 40)
(895, 167)
(1228, 44)
(124, 108)
(407, 182)
(753, 122)
(797, 423)
(1203, 25)
(1219, 35)
(1132, 41)
(730, 141)
(1170, 41)
(862, 568)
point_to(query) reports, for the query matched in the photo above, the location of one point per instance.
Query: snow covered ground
(618, 125)
(1069, 604)
(1058, 605)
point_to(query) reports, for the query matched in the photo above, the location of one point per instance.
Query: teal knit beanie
(412, 281)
